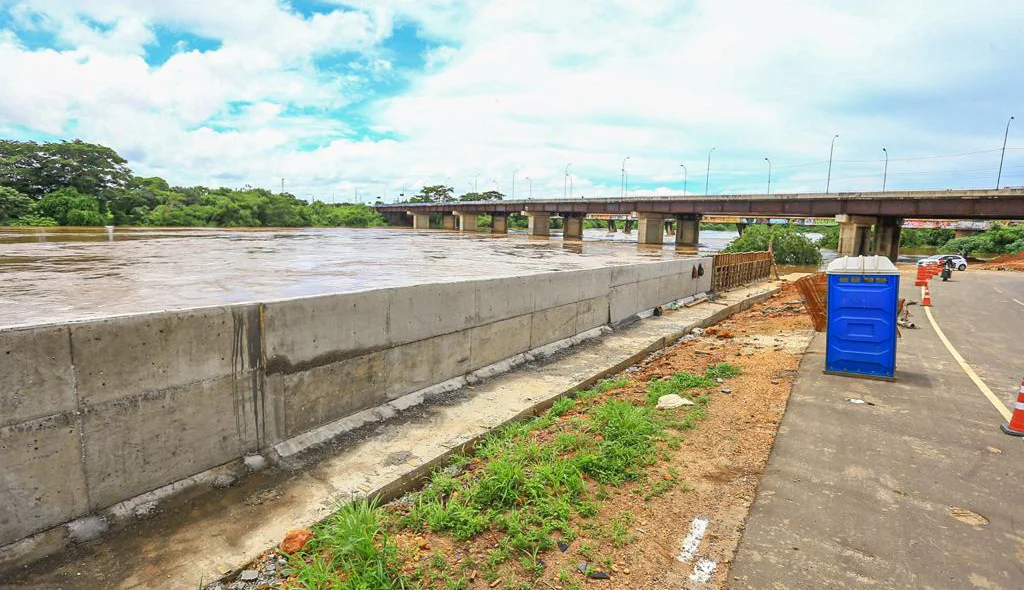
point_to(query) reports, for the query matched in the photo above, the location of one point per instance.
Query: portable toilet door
(863, 295)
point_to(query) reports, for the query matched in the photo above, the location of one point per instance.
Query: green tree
(1000, 239)
(69, 207)
(790, 246)
(437, 193)
(12, 205)
(38, 169)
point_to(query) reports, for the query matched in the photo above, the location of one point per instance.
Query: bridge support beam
(420, 220)
(612, 227)
(467, 221)
(887, 237)
(499, 223)
(539, 224)
(651, 229)
(628, 227)
(448, 222)
(741, 227)
(855, 234)
(572, 227)
(687, 230)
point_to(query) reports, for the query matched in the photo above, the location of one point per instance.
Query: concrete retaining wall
(95, 413)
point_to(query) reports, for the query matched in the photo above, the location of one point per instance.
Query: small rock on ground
(667, 402)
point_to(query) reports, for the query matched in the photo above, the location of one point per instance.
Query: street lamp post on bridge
(999, 178)
(622, 189)
(828, 181)
(565, 181)
(769, 174)
(885, 171)
(530, 180)
(684, 177)
(707, 176)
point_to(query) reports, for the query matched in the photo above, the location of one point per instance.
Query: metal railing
(735, 270)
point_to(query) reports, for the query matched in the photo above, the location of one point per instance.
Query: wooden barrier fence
(735, 270)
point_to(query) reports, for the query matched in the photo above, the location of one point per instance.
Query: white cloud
(536, 85)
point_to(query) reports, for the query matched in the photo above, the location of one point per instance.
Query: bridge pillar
(499, 223)
(539, 224)
(687, 230)
(741, 227)
(887, 237)
(854, 234)
(420, 220)
(448, 222)
(612, 227)
(963, 232)
(467, 221)
(650, 230)
(572, 227)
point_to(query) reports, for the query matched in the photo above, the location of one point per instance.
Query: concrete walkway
(221, 531)
(917, 488)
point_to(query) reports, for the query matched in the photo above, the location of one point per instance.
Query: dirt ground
(719, 463)
(1005, 262)
(722, 459)
(714, 473)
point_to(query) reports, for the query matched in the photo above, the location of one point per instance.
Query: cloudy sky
(383, 96)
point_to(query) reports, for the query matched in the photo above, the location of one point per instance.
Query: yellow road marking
(1003, 410)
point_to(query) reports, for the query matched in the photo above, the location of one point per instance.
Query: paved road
(918, 490)
(982, 314)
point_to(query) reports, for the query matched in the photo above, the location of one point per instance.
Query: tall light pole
(1003, 155)
(769, 174)
(707, 177)
(622, 187)
(828, 181)
(684, 177)
(282, 186)
(514, 183)
(530, 180)
(565, 181)
(885, 171)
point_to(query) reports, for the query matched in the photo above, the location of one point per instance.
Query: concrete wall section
(97, 412)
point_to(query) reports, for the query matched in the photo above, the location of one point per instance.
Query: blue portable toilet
(863, 294)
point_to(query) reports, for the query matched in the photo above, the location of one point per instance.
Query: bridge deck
(949, 204)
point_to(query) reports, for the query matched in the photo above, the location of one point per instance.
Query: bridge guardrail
(734, 270)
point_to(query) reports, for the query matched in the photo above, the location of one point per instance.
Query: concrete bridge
(856, 213)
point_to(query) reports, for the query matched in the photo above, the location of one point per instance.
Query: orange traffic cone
(927, 300)
(1015, 427)
(922, 276)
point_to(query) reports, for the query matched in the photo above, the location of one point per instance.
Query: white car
(959, 262)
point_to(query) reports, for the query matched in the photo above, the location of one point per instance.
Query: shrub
(790, 247)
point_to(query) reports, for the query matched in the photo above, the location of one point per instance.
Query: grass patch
(604, 386)
(722, 371)
(531, 483)
(351, 549)
(679, 384)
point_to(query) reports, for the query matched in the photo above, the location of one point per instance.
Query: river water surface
(59, 274)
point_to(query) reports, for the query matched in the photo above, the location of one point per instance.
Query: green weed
(722, 371)
(604, 386)
(679, 384)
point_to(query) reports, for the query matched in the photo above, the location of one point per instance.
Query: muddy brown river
(58, 274)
